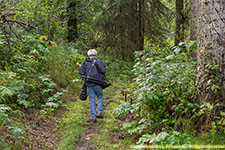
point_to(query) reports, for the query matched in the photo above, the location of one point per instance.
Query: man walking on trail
(93, 67)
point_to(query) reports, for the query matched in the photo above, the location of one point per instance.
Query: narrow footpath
(105, 134)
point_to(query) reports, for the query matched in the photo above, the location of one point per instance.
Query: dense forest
(165, 58)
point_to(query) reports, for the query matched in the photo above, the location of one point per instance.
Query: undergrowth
(162, 99)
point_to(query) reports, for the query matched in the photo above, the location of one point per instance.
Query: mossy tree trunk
(211, 50)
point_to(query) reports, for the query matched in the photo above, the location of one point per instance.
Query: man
(95, 68)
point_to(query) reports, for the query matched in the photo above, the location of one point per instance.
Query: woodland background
(166, 58)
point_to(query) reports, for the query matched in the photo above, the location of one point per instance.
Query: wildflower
(78, 64)
(10, 77)
(51, 43)
(42, 38)
(35, 53)
(152, 116)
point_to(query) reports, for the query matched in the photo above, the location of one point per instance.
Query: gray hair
(92, 52)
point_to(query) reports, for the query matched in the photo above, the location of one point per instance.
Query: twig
(11, 28)
(22, 23)
(9, 14)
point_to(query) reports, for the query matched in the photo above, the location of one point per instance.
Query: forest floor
(67, 128)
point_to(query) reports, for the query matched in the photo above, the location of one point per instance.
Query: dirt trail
(85, 140)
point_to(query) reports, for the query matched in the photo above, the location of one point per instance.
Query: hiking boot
(92, 121)
(99, 115)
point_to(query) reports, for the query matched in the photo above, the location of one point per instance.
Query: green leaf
(177, 50)
(16, 131)
(209, 44)
(3, 117)
(5, 108)
(52, 105)
(222, 113)
(76, 80)
(4, 91)
(129, 125)
(52, 85)
(170, 57)
(25, 103)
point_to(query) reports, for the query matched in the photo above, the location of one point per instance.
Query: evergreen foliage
(129, 22)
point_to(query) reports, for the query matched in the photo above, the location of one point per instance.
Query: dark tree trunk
(179, 31)
(194, 20)
(141, 28)
(72, 22)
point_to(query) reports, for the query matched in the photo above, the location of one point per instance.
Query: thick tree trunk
(179, 31)
(211, 49)
(72, 22)
(194, 20)
(141, 28)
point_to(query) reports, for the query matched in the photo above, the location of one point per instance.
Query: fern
(4, 91)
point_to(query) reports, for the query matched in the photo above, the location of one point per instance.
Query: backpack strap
(92, 66)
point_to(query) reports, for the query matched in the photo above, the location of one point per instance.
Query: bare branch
(12, 30)
(9, 14)
(22, 23)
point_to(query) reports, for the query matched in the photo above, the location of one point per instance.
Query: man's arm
(101, 66)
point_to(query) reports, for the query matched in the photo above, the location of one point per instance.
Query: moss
(72, 124)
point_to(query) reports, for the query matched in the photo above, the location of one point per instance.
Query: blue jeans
(94, 91)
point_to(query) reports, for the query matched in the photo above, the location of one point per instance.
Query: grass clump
(72, 124)
(209, 139)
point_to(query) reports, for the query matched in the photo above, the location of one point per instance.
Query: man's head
(92, 52)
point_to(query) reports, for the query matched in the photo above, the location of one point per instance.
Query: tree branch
(9, 14)
(22, 23)
(11, 28)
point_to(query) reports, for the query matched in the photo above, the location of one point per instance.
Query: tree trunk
(141, 28)
(211, 49)
(179, 31)
(194, 20)
(72, 22)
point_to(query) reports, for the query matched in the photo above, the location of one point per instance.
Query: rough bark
(72, 22)
(179, 31)
(141, 28)
(194, 20)
(211, 49)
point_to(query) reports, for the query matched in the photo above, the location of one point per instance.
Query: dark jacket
(97, 72)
